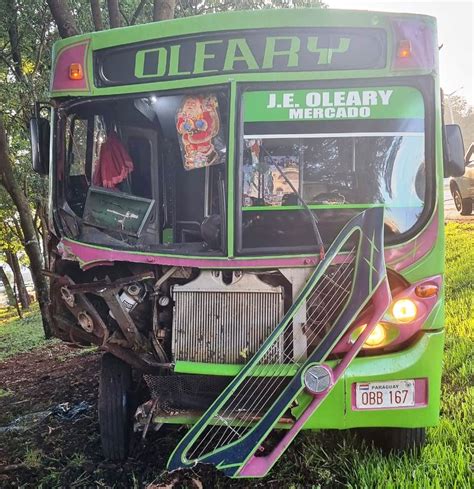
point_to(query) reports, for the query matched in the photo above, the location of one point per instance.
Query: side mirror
(39, 136)
(453, 151)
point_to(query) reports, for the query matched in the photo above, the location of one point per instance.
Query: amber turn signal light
(426, 290)
(404, 49)
(75, 71)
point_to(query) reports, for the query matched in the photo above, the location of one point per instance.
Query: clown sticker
(197, 122)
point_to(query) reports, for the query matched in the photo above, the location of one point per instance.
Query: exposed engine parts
(224, 318)
(131, 296)
(85, 321)
(154, 318)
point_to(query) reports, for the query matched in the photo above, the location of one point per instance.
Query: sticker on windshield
(198, 125)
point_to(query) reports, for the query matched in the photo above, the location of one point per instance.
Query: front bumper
(422, 360)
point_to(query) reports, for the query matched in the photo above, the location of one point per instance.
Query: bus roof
(83, 49)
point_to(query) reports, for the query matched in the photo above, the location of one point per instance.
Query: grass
(21, 335)
(334, 459)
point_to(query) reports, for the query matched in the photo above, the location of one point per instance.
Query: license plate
(382, 395)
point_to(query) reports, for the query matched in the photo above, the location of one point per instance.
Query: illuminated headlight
(377, 337)
(381, 335)
(404, 310)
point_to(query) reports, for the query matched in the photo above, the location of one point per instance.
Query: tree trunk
(137, 12)
(44, 233)
(8, 288)
(14, 39)
(62, 15)
(12, 260)
(96, 15)
(32, 248)
(114, 13)
(163, 9)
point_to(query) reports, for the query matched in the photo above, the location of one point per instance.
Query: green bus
(246, 217)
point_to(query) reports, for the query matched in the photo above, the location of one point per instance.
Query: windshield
(146, 172)
(342, 150)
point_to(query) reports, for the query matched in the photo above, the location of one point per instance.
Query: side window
(139, 149)
(100, 135)
(77, 146)
(84, 137)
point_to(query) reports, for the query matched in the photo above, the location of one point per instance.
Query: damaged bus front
(251, 219)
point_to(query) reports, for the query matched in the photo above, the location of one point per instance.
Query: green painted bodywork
(417, 361)
(413, 363)
(422, 359)
(242, 20)
(433, 261)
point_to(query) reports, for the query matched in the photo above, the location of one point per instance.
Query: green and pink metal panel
(419, 259)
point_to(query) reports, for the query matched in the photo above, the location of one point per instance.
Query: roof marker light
(404, 49)
(75, 71)
(426, 290)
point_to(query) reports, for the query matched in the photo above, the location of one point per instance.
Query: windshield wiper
(314, 219)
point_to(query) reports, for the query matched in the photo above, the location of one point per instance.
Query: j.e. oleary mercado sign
(309, 49)
(333, 104)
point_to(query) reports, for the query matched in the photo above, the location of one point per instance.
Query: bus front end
(246, 209)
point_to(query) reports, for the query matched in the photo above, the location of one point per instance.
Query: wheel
(463, 206)
(395, 439)
(114, 407)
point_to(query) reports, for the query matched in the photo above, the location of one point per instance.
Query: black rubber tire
(463, 206)
(114, 407)
(395, 439)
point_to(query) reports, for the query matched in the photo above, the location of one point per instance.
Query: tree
(8, 288)
(25, 31)
(32, 247)
(458, 111)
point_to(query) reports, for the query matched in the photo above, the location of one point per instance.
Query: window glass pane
(77, 146)
(339, 167)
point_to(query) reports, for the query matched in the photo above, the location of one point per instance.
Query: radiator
(220, 323)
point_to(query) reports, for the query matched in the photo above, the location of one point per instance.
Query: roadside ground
(50, 451)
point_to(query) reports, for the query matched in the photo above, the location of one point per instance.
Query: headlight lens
(377, 337)
(381, 335)
(404, 310)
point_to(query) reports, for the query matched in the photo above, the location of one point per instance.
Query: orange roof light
(404, 49)
(426, 290)
(75, 71)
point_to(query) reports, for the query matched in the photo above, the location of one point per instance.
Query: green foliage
(186, 8)
(24, 71)
(33, 458)
(5, 393)
(457, 110)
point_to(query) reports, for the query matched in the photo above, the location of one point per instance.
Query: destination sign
(333, 104)
(247, 51)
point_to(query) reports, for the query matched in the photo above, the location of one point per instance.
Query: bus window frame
(425, 84)
(59, 152)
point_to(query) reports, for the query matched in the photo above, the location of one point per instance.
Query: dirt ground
(66, 453)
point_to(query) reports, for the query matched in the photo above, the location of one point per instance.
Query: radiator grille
(218, 323)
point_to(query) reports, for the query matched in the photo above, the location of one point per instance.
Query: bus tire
(396, 439)
(114, 407)
(463, 206)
